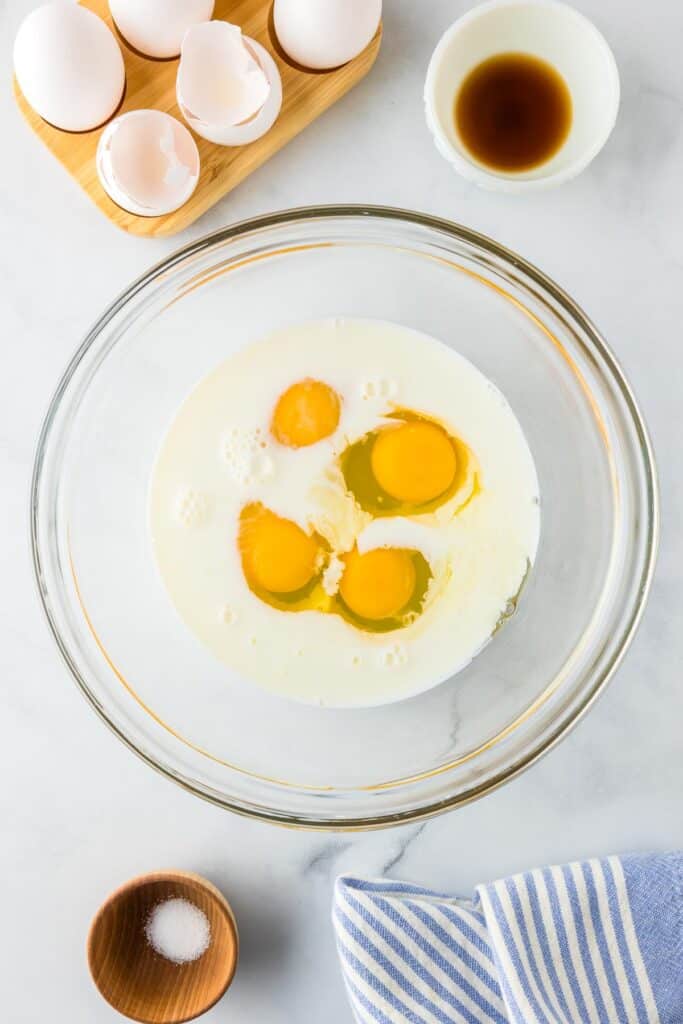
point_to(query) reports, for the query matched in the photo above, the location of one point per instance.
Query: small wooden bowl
(142, 984)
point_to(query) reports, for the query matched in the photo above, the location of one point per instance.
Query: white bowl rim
(477, 173)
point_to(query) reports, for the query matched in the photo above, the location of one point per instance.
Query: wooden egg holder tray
(151, 83)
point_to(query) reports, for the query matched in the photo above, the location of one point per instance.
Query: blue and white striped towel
(596, 942)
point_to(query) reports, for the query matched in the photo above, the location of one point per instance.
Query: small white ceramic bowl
(546, 29)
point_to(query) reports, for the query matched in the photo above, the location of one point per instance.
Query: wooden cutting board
(151, 83)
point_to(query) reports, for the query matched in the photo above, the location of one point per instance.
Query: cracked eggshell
(228, 87)
(69, 66)
(147, 162)
(157, 27)
(324, 34)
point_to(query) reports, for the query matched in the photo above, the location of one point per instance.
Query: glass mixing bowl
(183, 711)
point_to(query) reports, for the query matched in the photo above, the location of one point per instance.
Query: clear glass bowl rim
(459, 233)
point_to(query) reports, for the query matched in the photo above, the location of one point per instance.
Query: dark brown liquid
(513, 112)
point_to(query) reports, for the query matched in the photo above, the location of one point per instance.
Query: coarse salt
(178, 930)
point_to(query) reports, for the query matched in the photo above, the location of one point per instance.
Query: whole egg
(324, 34)
(69, 66)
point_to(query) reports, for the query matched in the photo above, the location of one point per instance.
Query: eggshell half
(147, 162)
(228, 86)
(69, 66)
(157, 27)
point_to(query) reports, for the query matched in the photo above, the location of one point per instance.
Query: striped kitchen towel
(596, 942)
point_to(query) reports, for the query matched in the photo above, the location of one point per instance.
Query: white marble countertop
(79, 813)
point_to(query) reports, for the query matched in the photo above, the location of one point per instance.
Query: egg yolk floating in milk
(380, 591)
(406, 467)
(359, 534)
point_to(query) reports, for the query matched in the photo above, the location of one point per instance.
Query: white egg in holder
(69, 66)
(228, 87)
(156, 27)
(324, 34)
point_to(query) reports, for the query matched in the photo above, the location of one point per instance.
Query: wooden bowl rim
(170, 875)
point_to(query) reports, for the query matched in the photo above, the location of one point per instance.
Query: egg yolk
(277, 555)
(305, 413)
(378, 584)
(414, 462)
